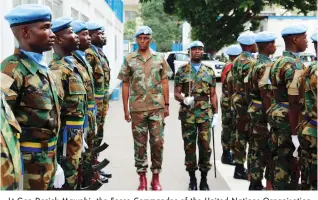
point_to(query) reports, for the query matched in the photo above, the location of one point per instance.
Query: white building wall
(93, 10)
(276, 24)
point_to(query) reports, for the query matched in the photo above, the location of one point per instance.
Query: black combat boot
(256, 186)
(227, 158)
(193, 181)
(203, 183)
(240, 172)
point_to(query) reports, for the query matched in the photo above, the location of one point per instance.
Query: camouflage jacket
(101, 70)
(11, 167)
(86, 73)
(241, 67)
(195, 84)
(145, 78)
(284, 75)
(36, 105)
(73, 106)
(258, 78)
(309, 97)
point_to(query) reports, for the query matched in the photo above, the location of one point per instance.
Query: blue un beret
(247, 38)
(78, 26)
(196, 44)
(294, 30)
(265, 37)
(91, 26)
(234, 50)
(28, 13)
(146, 30)
(314, 37)
(61, 23)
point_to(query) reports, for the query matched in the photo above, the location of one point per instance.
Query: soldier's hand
(166, 111)
(127, 117)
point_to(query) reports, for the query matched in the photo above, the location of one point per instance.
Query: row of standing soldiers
(272, 107)
(52, 116)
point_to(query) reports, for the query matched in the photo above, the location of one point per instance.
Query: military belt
(313, 122)
(75, 122)
(38, 147)
(257, 103)
(91, 105)
(284, 104)
(99, 95)
(241, 93)
(225, 92)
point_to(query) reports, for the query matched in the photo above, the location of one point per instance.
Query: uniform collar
(36, 57)
(28, 62)
(263, 57)
(291, 54)
(248, 54)
(137, 54)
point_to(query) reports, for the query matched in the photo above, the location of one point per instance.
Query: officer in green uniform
(307, 130)
(36, 105)
(240, 102)
(285, 110)
(198, 106)
(260, 93)
(145, 84)
(73, 102)
(228, 115)
(11, 166)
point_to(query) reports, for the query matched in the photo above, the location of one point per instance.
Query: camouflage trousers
(87, 156)
(190, 133)
(308, 157)
(286, 170)
(39, 170)
(100, 118)
(143, 122)
(70, 163)
(259, 149)
(242, 128)
(228, 126)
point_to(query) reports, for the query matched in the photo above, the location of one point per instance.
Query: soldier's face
(98, 38)
(68, 39)
(254, 48)
(271, 47)
(301, 42)
(143, 42)
(85, 39)
(196, 53)
(39, 36)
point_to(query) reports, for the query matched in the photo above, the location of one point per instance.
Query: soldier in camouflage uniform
(86, 72)
(197, 82)
(73, 103)
(260, 92)
(307, 130)
(228, 116)
(144, 73)
(36, 105)
(11, 166)
(99, 62)
(285, 110)
(240, 102)
(101, 74)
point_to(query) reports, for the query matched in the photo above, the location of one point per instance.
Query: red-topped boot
(155, 184)
(142, 182)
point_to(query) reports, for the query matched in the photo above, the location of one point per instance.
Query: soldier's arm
(230, 86)
(164, 80)
(291, 75)
(213, 96)
(178, 88)
(262, 77)
(124, 75)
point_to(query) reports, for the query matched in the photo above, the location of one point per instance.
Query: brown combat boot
(155, 184)
(142, 182)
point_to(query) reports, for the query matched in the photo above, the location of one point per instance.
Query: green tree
(129, 30)
(165, 27)
(219, 22)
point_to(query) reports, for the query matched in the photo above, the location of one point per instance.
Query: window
(84, 18)
(56, 7)
(74, 14)
(182, 57)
